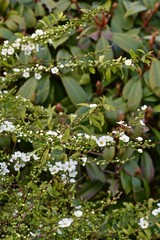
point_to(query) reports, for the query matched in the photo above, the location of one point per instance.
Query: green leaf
(95, 173)
(154, 79)
(66, 135)
(104, 44)
(74, 90)
(85, 79)
(150, 4)
(89, 189)
(138, 191)
(146, 187)
(60, 41)
(42, 91)
(95, 123)
(62, 5)
(108, 153)
(134, 8)
(132, 92)
(126, 182)
(127, 42)
(29, 17)
(27, 90)
(156, 108)
(147, 166)
(39, 10)
(6, 33)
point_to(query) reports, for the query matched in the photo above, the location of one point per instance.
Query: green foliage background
(129, 29)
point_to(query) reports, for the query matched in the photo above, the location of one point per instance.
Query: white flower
(61, 66)
(124, 138)
(141, 122)
(65, 222)
(92, 105)
(143, 223)
(10, 50)
(26, 74)
(78, 213)
(128, 62)
(109, 138)
(139, 150)
(144, 107)
(139, 139)
(7, 127)
(39, 32)
(37, 76)
(54, 70)
(52, 133)
(4, 51)
(158, 204)
(155, 212)
(101, 142)
(3, 168)
(54, 169)
(84, 160)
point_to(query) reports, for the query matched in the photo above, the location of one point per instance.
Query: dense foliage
(79, 119)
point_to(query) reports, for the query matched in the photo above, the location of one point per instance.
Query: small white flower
(54, 70)
(128, 62)
(139, 139)
(158, 204)
(10, 50)
(124, 138)
(84, 160)
(54, 169)
(4, 51)
(155, 212)
(101, 142)
(92, 105)
(139, 150)
(141, 122)
(109, 138)
(25, 74)
(78, 213)
(61, 66)
(65, 222)
(39, 32)
(37, 76)
(144, 107)
(143, 223)
(3, 168)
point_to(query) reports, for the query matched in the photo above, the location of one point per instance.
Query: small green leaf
(27, 90)
(154, 79)
(90, 189)
(147, 166)
(134, 8)
(95, 173)
(74, 90)
(127, 42)
(126, 182)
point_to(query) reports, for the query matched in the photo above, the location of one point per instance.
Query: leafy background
(128, 29)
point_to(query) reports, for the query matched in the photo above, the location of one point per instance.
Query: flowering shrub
(64, 173)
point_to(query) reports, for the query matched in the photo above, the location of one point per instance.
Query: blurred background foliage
(128, 29)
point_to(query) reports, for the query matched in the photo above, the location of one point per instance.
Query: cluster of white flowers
(103, 140)
(21, 158)
(7, 126)
(18, 44)
(156, 211)
(68, 168)
(3, 168)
